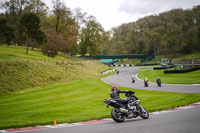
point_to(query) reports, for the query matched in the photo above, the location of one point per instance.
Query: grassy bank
(73, 101)
(19, 71)
(182, 78)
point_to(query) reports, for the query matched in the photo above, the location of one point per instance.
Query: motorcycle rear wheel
(117, 116)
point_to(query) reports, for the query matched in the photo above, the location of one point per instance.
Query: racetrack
(124, 79)
(185, 121)
(176, 121)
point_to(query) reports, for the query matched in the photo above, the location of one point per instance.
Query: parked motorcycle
(121, 111)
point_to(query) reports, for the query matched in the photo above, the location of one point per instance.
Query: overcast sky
(112, 13)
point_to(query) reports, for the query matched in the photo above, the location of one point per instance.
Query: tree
(59, 10)
(6, 32)
(13, 9)
(30, 24)
(54, 42)
(91, 37)
(80, 20)
(39, 8)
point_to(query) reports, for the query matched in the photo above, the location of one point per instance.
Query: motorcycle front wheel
(143, 112)
(117, 115)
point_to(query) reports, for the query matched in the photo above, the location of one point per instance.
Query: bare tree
(59, 9)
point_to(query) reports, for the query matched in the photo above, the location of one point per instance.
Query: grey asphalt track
(124, 79)
(185, 121)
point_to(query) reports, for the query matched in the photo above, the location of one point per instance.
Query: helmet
(113, 88)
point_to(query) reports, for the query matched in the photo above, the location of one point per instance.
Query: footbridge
(142, 57)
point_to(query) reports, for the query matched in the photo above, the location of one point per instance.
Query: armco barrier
(163, 67)
(181, 71)
(146, 64)
(108, 71)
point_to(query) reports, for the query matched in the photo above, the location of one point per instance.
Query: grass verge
(74, 101)
(181, 78)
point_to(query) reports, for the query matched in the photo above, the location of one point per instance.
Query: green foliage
(52, 46)
(6, 32)
(169, 33)
(27, 30)
(92, 37)
(49, 50)
(14, 10)
(30, 24)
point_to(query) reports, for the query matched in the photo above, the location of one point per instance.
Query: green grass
(182, 78)
(75, 101)
(16, 53)
(19, 71)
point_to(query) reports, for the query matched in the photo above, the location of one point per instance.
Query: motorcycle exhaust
(123, 110)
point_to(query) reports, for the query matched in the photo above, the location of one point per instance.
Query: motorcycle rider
(115, 94)
(158, 82)
(146, 82)
(133, 78)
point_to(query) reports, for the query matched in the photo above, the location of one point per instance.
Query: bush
(49, 50)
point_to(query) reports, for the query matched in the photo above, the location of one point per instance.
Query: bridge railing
(143, 57)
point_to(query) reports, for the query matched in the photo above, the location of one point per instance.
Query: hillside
(19, 71)
(169, 33)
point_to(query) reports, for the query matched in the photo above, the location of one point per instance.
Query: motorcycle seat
(123, 100)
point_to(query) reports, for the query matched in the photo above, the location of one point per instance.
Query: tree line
(168, 33)
(30, 23)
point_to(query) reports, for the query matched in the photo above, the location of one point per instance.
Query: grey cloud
(146, 7)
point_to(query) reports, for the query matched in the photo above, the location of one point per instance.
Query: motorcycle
(146, 84)
(121, 111)
(133, 80)
(158, 82)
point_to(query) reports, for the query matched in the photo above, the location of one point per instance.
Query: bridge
(142, 57)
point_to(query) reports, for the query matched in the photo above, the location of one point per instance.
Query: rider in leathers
(115, 92)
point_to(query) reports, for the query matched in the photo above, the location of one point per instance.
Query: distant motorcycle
(133, 80)
(146, 84)
(121, 111)
(158, 82)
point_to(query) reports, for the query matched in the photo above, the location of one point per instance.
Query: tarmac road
(185, 121)
(124, 79)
